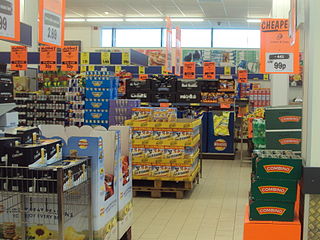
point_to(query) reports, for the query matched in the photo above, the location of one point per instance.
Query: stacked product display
(6, 88)
(100, 88)
(164, 148)
(260, 97)
(121, 110)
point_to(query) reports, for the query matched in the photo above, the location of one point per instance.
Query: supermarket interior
(159, 120)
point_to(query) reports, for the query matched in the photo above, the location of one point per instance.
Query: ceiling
(217, 13)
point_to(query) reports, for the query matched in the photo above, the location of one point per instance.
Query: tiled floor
(213, 211)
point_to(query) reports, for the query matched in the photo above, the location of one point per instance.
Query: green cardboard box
(287, 117)
(284, 140)
(273, 190)
(278, 168)
(271, 211)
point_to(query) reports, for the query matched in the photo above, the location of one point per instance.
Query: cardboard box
(27, 135)
(97, 105)
(99, 82)
(288, 117)
(99, 93)
(10, 119)
(284, 139)
(96, 115)
(21, 84)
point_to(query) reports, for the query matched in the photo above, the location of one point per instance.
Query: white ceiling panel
(231, 13)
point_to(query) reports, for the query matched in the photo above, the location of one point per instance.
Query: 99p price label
(52, 27)
(7, 18)
(279, 62)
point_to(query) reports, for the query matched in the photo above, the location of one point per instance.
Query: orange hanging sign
(209, 70)
(70, 58)
(18, 58)
(10, 20)
(189, 70)
(277, 55)
(225, 105)
(51, 22)
(48, 58)
(242, 76)
(143, 77)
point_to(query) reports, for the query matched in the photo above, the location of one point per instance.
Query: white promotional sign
(279, 62)
(9, 20)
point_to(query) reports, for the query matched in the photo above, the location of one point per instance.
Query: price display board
(189, 70)
(242, 76)
(48, 58)
(85, 58)
(70, 59)
(51, 22)
(105, 58)
(18, 58)
(277, 54)
(10, 20)
(209, 70)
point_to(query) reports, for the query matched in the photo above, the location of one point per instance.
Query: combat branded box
(284, 139)
(287, 117)
(273, 190)
(271, 211)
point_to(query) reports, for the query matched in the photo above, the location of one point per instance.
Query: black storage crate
(209, 86)
(188, 97)
(188, 85)
(143, 96)
(159, 97)
(164, 83)
(138, 85)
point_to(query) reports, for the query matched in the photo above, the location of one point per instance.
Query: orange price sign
(189, 70)
(18, 58)
(70, 58)
(51, 22)
(277, 55)
(165, 105)
(10, 20)
(209, 70)
(225, 105)
(48, 58)
(143, 77)
(242, 76)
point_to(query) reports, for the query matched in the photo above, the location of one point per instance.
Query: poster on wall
(10, 20)
(48, 58)
(195, 56)
(178, 62)
(248, 60)
(70, 59)
(51, 22)
(157, 57)
(277, 53)
(223, 57)
(18, 58)
(169, 59)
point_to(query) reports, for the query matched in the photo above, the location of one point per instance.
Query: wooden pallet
(158, 188)
(127, 235)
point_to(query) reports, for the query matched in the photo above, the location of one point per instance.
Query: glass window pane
(190, 38)
(229, 38)
(106, 38)
(138, 37)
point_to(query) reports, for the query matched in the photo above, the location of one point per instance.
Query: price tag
(105, 58)
(91, 68)
(209, 70)
(48, 58)
(163, 70)
(85, 58)
(143, 77)
(125, 58)
(265, 77)
(242, 76)
(10, 20)
(69, 58)
(279, 62)
(142, 70)
(227, 70)
(18, 58)
(195, 104)
(189, 70)
(166, 105)
(117, 69)
(83, 68)
(225, 105)
(51, 24)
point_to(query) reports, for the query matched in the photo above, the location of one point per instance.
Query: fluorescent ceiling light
(252, 20)
(187, 19)
(74, 19)
(144, 20)
(106, 13)
(104, 20)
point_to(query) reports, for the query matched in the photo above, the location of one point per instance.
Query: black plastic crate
(188, 85)
(164, 83)
(209, 86)
(138, 85)
(143, 96)
(188, 97)
(159, 97)
(6, 86)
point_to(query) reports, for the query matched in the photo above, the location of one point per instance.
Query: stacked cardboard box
(274, 185)
(6, 88)
(121, 110)
(100, 88)
(166, 148)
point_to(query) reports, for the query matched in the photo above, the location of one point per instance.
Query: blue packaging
(99, 93)
(97, 104)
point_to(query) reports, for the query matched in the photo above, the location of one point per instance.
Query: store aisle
(214, 211)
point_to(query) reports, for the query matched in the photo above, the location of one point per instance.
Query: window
(106, 38)
(200, 38)
(227, 38)
(138, 38)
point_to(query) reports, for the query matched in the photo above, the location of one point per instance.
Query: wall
(89, 37)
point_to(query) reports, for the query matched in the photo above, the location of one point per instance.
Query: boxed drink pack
(99, 93)
(287, 117)
(97, 104)
(10, 119)
(284, 139)
(27, 135)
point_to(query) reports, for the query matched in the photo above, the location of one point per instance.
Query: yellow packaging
(142, 114)
(164, 114)
(161, 170)
(154, 153)
(142, 170)
(141, 136)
